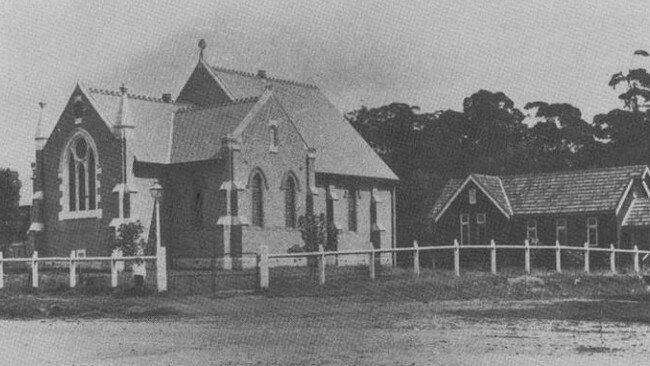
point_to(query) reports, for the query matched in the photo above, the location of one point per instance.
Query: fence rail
(159, 261)
(264, 256)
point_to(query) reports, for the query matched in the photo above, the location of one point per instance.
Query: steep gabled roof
(593, 190)
(340, 149)
(151, 117)
(489, 185)
(638, 213)
(197, 132)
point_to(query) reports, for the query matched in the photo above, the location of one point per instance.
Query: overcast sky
(426, 53)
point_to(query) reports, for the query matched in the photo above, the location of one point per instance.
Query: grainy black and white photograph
(301, 182)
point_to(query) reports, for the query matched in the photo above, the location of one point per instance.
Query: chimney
(261, 74)
(167, 97)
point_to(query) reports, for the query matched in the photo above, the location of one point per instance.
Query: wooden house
(598, 206)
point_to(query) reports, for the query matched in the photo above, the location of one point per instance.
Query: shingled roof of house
(592, 190)
(639, 213)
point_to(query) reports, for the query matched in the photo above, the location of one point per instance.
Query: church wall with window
(81, 227)
(271, 163)
(192, 204)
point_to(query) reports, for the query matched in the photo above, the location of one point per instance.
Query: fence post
(73, 270)
(161, 269)
(586, 257)
(416, 259)
(493, 257)
(558, 257)
(612, 258)
(264, 267)
(2, 271)
(321, 264)
(113, 271)
(456, 257)
(35, 269)
(527, 256)
(637, 269)
(372, 261)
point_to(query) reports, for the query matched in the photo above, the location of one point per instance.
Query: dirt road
(254, 330)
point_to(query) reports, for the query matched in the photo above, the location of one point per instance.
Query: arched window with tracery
(80, 178)
(257, 200)
(290, 202)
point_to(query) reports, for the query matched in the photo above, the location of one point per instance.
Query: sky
(359, 52)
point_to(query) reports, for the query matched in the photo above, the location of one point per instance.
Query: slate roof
(495, 190)
(639, 213)
(197, 133)
(594, 190)
(339, 148)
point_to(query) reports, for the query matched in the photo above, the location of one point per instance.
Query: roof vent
(261, 73)
(167, 97)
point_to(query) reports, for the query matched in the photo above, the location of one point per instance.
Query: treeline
(492, 136)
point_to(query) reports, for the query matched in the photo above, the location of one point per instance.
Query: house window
(352, 209)
(464, 229)
(290, 203)
(80, 180)
(561, 231)
(472, 196)
(257, 197)
(592, 231)
(531, 231)
(481, 237)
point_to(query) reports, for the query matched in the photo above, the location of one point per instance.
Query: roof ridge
(578, 171)
(192, 108)
(116, 93)
(252, 75)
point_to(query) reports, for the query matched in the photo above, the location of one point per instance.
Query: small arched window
(273, 131)
(81, 177)
(257, 200)
(78, 110)
(290, 203)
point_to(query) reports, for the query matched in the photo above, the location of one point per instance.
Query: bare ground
(346, 330)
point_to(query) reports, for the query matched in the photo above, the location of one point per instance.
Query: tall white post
(2, 271)
(321, 264)
(558, 257)
(612, 258)
(637, 268)
(161, 269)
(372, 262)
(493, 257)
(527, 256)
(264, 267)
(416, 259)
(73, 270)
(158, 236)
(35, 269)
(456, 257)
(114, 279)
(587, 257)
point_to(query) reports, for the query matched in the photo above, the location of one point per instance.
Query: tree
(9, 203)
(624, 131)
(560, 139)
(129, 239)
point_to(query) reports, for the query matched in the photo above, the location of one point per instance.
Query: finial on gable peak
(123, 89)
(202, 46)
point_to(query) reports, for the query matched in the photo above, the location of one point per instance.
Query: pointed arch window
(290, 203)
(257, 200)
(79, 180)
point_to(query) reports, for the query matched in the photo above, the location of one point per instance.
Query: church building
(239, 156)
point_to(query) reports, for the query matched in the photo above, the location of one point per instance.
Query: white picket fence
(586, 249)
(74, 260)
